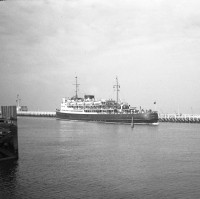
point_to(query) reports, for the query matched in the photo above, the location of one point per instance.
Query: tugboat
(108, 111)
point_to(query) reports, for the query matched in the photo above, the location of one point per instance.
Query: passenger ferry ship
(109, 111)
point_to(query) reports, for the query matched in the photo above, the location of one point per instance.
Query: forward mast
(117, 86)
(76, 91)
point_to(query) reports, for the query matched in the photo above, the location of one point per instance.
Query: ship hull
(139, 118)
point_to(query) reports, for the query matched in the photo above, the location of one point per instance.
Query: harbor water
(70, 159)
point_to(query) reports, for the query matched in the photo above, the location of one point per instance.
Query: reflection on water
(8, 179)
(68, 159)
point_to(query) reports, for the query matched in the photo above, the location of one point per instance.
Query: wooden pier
(179, 118)
(8, 133)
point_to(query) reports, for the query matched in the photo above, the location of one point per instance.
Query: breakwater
(179, 118)
(36, 113)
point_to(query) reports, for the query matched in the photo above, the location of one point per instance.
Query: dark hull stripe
(141, 118)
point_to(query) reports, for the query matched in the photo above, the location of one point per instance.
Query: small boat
(108, 111)
(132, 123)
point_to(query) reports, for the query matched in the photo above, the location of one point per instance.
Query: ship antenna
(76, 91)
(117, 86)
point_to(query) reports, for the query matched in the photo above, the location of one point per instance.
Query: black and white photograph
(99, 99)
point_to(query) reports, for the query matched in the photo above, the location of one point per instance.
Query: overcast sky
(153, 46)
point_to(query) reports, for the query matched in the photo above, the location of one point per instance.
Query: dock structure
(179, 118)
(36, 114)
(8, 133)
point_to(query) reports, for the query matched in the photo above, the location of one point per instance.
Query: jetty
(8, 133)
(179, 118)
(36, 113)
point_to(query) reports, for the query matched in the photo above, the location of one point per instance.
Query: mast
(18, 101)
(76, 91)
(117, 86)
